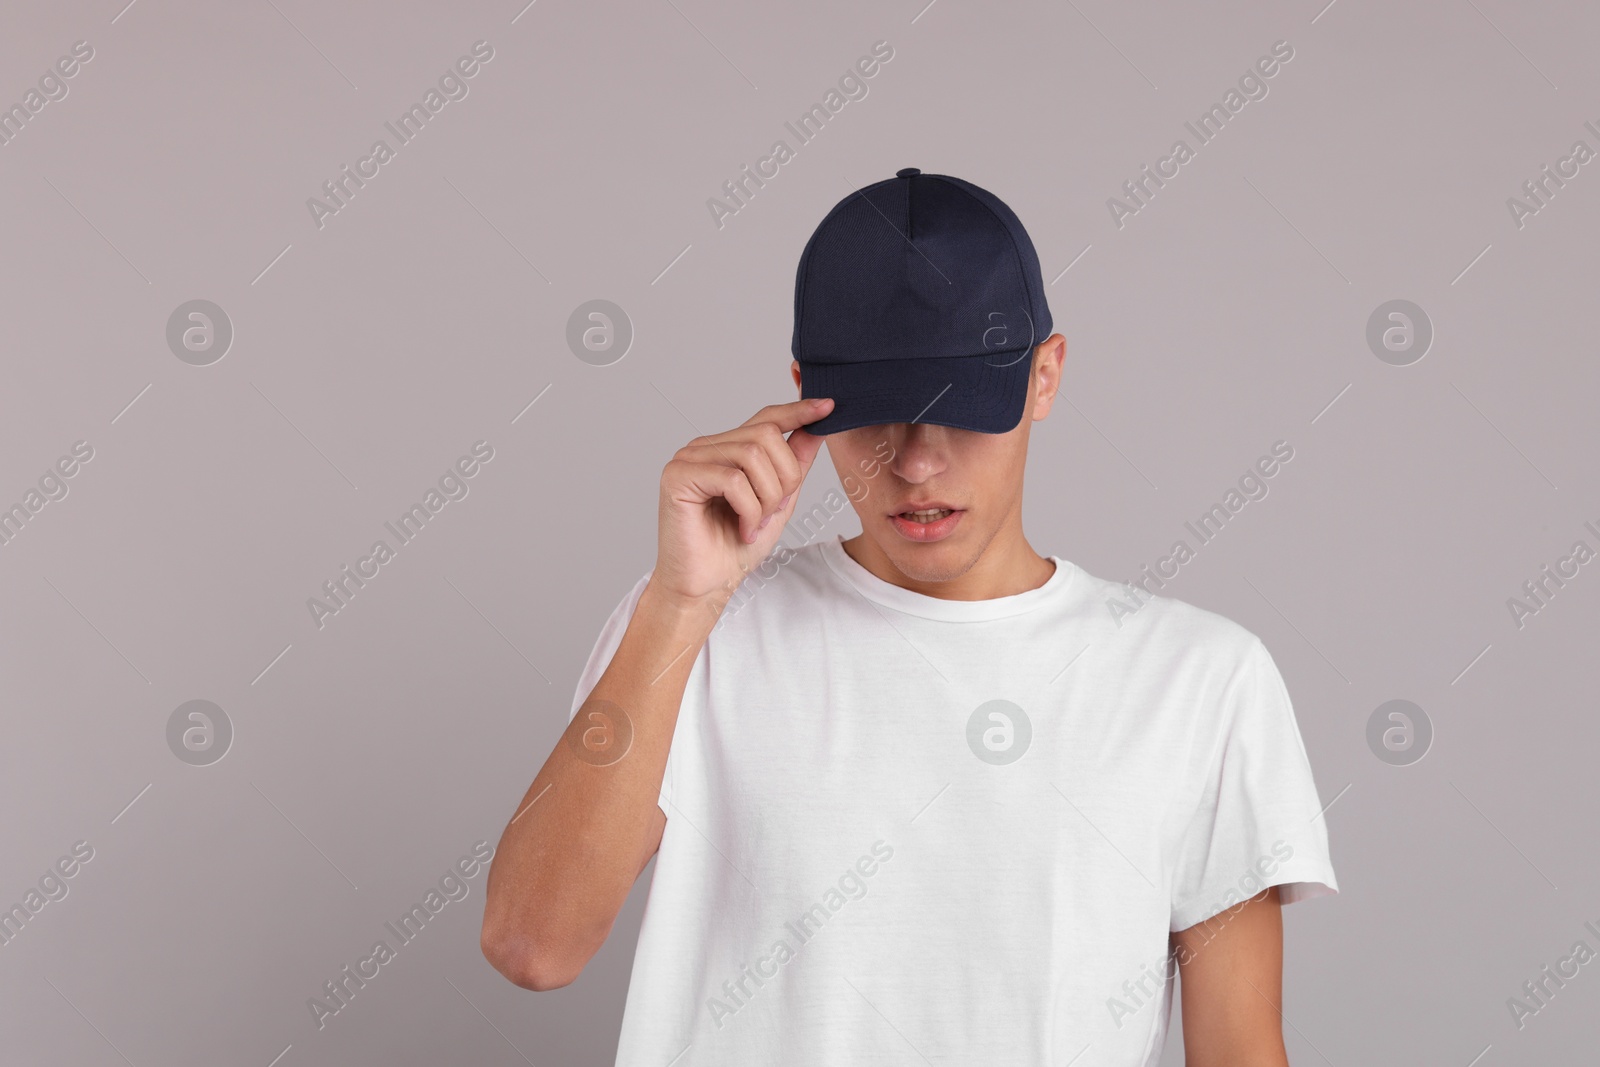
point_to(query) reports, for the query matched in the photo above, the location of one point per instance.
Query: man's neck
(1007, 566)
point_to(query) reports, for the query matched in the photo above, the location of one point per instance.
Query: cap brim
(985, 393)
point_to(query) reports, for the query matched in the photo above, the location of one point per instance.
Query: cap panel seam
(1016, 253)
(798, 343)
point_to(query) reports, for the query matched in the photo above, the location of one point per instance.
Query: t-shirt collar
(939, 609)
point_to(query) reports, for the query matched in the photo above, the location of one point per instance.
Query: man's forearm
(589, 822)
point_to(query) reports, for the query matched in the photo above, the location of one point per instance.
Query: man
(921, 798)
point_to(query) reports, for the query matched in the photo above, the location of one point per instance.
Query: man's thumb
(805, 446)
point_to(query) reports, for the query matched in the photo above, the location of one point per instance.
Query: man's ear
(1047, 360)
(794, 372)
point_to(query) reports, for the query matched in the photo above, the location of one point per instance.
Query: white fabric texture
(853, 871)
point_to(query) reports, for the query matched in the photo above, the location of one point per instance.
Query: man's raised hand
(725, 500)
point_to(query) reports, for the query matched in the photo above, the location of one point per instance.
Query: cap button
(909, 172)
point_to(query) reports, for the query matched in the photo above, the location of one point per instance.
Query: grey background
(370, 354)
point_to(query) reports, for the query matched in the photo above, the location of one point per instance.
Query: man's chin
(927, 562)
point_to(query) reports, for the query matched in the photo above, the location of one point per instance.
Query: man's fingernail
(764, 522)
(784, 502)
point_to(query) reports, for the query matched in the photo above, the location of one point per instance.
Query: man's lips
(925, 521)
(923, 505)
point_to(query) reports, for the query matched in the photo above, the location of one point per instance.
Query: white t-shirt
(902, 829)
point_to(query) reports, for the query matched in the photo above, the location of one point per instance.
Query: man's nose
(919, 450)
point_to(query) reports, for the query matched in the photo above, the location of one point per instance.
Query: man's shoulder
(1135, 610)
(792, 575)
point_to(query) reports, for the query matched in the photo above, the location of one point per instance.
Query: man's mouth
(926, 521)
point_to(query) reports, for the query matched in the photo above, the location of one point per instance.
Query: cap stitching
(1015, 251)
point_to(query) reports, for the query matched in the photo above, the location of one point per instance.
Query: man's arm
(583, 832)
(1231, 975)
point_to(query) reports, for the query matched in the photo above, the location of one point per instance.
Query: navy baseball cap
(918, 299)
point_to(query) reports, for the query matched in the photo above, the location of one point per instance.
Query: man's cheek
(870, 466)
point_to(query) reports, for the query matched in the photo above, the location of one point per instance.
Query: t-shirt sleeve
(605, 647)
(1258, 822)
